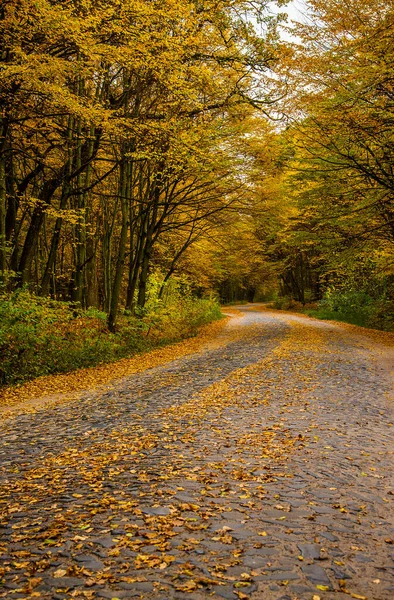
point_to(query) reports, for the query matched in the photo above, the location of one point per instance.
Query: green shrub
(356, 307)
(286, 303)
(181, 318)
(40, 336)
(175, 313)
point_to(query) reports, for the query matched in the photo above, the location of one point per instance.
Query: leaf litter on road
(180, 499)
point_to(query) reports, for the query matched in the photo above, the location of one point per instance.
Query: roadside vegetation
(157, 155)
(40, 336)
(357, 308)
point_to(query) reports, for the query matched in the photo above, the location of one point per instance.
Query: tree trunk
(135, 265)
(119, 268)
(3, 201)
(143, 280)
(107, 255)
(51, 261)
(3, 215)
(91, 274)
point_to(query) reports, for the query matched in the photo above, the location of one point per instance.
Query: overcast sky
(295, 9)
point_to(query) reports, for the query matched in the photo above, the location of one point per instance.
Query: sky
(296, 10)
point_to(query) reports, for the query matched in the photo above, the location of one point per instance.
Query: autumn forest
(196, 299)
(157, 158)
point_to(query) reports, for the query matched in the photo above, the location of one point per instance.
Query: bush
(286, 303)
(40, 336)
(180, 318)
(382, 316)
(350, 306)
(175, 313)
(356, 307)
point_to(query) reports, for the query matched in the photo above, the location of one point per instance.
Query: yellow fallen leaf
(187, 572)
(60, 573)
(189, 586)
(323, 588)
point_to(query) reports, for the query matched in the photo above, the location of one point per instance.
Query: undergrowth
(355, 307)
(40, 336)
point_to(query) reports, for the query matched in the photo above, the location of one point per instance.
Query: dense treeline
(117, 129)
(341, 144)
(327, 231)
(151, 146)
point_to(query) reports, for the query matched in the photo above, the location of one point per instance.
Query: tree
(117, 123)
(343, 104)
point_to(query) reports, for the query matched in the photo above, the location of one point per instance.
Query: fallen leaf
(60, 573)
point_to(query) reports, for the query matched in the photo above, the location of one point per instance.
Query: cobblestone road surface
(261, 468)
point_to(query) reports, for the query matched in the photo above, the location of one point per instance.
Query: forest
(157, 158)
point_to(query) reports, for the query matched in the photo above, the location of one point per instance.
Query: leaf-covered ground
(54, 389)
(259, 467)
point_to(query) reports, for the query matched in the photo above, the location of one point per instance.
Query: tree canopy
(189, 139)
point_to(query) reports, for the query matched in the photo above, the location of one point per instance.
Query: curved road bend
(259, 468)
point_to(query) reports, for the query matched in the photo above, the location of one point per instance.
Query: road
(260, 467)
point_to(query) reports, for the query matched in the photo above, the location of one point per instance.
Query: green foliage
(356, 307)
(40, 336)
(176, 313)
(286, 303)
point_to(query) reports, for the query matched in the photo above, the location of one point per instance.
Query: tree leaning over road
(335, 179)
(117, 125)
